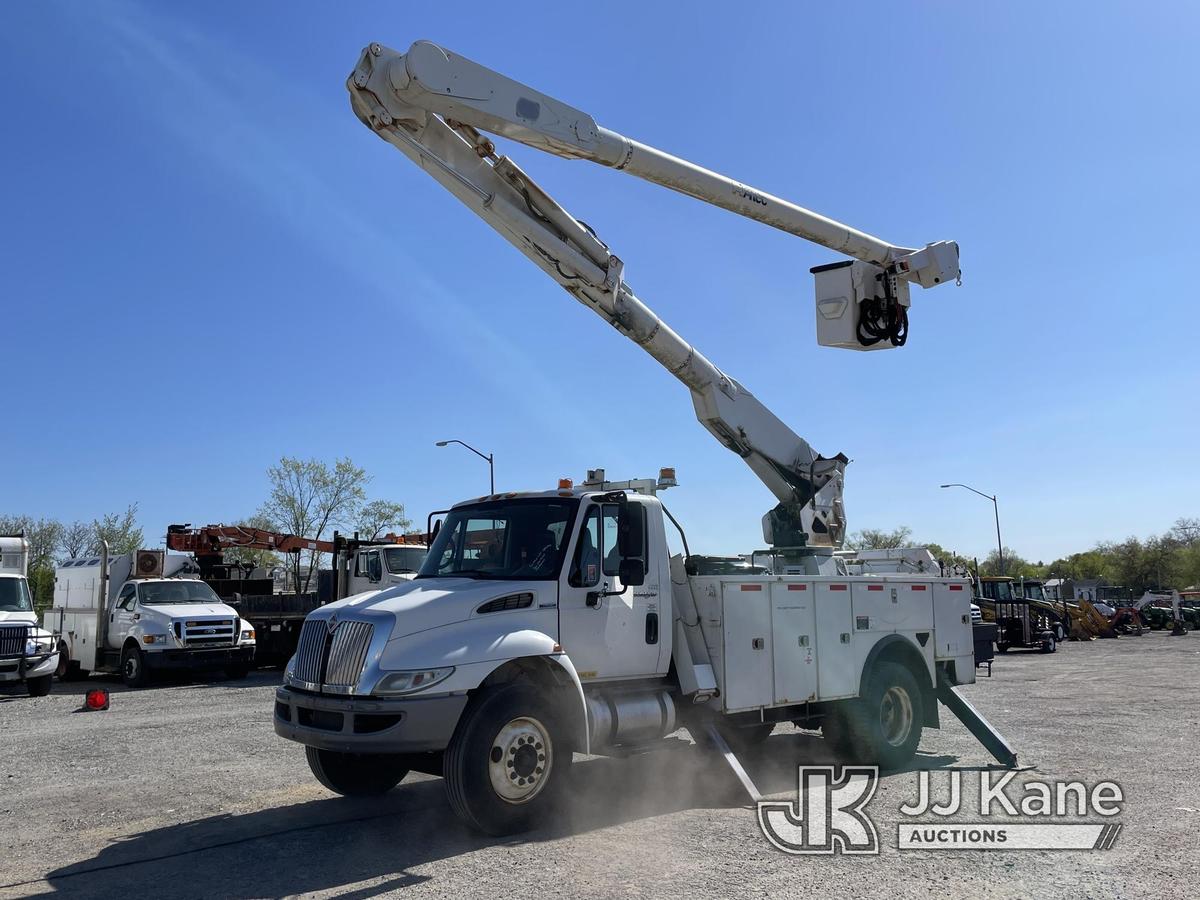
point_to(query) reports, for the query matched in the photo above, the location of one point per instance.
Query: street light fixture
(996, 508)
(487, 456)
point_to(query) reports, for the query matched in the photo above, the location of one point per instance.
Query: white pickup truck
(545, 624)
(140, 613)
(26, 651)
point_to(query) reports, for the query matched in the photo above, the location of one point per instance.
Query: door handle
(651, 628)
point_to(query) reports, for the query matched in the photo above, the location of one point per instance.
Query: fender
(904, 647)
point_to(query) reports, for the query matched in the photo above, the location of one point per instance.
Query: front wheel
(133, 667)
(356, 774)
(883, 726)
(38, 687)
(506, 760)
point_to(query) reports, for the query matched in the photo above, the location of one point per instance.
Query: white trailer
(144, 612)
(27, 652)
(547, 623)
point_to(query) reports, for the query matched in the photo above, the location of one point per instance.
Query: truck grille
(207, 632)
(12, 640)
(332, 660)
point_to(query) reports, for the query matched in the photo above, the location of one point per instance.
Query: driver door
(606, 637)
(120, 620)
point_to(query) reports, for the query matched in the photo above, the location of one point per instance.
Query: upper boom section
(437, 80)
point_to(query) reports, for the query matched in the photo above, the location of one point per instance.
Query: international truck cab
(27, 652)
(157, 616)
(547, 623)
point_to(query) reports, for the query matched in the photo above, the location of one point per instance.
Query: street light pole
(485, 456)
(996, 509)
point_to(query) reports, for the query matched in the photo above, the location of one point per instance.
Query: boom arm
(429, 103)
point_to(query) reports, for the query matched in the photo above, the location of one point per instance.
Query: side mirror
(632, 572)
(631, 530)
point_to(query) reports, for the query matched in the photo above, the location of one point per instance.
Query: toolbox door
(794, 630)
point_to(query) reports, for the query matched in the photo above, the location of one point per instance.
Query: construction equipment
(547, 622)
(1019, 623)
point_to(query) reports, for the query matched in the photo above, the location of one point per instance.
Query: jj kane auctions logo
(830, 814)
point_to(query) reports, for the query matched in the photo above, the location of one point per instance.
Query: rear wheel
(64, 663)
(133, 667)
(883, 726)
(356, 774)
(506, 760)
(39, 687)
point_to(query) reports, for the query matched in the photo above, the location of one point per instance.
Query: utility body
(140, 613)
(548, 623)
(27, 653)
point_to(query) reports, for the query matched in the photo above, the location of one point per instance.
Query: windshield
(502, 539)
(14, 595)
(161, 593)
(403, 560)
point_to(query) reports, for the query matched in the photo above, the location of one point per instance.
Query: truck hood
(21, 617)
(188, 610)
(431, 602)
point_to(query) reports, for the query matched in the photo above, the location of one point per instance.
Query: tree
(119, 529)
(1015, 566)
(379, 517)
(309, 496)
(75, 539)
(878, 539)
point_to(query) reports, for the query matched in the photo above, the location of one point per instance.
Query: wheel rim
(131, 666)
(896, 716)
(520, 760)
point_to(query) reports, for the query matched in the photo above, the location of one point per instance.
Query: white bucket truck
(548, 623)
(26, 651)
(144, 612)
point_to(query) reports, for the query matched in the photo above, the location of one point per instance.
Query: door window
(374, 566)
(585, 570)
(125, 598)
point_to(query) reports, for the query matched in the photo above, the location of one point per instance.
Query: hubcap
(131, 666)
(520, 760)
(896, 716)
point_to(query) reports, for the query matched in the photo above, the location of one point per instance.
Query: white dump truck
(144, 612)
(548, 623)
(27, 652)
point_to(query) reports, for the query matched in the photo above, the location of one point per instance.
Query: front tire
(39, 687)
(356, 774)
(133, 667)
(506, 761)
(883, 726)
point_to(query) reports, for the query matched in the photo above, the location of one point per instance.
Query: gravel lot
(183, 790)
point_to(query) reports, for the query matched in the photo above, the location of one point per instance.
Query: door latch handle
(758, 644)
(845, 637)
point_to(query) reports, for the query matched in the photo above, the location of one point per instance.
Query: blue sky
(206, 262)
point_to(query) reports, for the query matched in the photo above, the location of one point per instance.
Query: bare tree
(379, 517)
(309, 496)
(121, 530)
(75, 539)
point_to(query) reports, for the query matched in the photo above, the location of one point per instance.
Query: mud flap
(980, 727)
(731, 760)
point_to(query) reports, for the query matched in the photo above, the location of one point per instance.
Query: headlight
(247, 634)
(289, 670)
(33, 647)
(408, 682)
(154, 638)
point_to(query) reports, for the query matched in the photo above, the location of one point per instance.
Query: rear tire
(356, 774)
(39, 687)
(506, 761)
(883, 726)
(133, 667)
